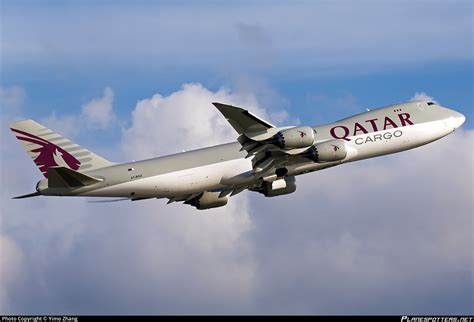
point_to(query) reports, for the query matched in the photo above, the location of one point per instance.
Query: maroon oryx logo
(335, 147)
(302, 134)
(48, 153)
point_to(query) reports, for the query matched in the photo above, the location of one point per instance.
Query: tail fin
(49, 149)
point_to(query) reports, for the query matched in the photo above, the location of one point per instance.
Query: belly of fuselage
(182, 182)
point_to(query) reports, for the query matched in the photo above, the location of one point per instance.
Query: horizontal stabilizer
(62, 177)
(34, 194)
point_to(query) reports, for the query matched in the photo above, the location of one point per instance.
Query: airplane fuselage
(371, 134)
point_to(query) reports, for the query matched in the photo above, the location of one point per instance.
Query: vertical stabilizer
(49, 149)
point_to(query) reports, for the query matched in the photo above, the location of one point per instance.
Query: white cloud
(185, 260)
(184, 120)
(389, 235)
(422, 96)
(366, 233)
(98, 112)
(11, 258)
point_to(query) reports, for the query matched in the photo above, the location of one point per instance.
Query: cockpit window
(431, 103)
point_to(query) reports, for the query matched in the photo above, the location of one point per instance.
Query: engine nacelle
(278, 187)
(209, 200)
(294, 138)
(332, 150)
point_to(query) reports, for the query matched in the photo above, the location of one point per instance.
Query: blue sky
(377, 52)
(152, 69)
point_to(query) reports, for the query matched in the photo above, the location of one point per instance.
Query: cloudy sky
(392, 235)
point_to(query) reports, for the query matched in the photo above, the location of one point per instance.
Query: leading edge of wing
(242, 120)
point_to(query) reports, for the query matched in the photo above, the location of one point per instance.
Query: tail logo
(49, 154)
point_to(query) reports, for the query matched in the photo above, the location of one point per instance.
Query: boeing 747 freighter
(265, 158)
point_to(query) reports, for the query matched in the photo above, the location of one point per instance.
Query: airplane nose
(457, 119)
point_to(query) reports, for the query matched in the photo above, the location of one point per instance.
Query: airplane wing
(271, 148)
(242, 120)
(261, 139)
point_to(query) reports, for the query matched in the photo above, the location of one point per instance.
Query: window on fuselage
(430, 103)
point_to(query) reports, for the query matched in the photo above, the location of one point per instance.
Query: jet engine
(278, 187)
(208, 200)
(332, 150)
(294, 138)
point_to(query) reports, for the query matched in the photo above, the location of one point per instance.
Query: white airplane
(265, 158)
